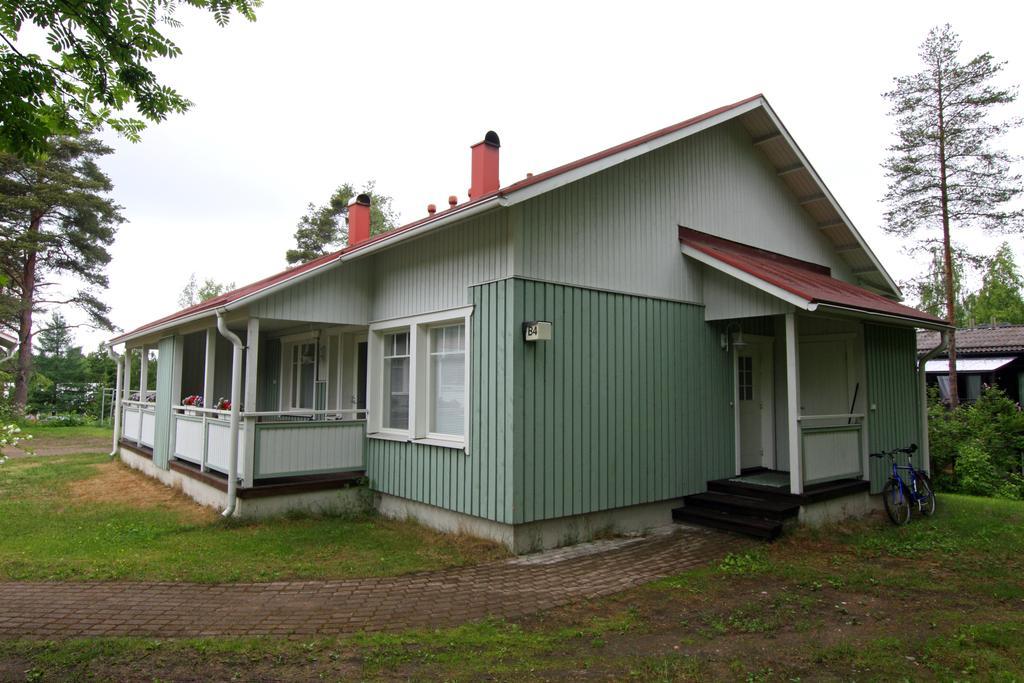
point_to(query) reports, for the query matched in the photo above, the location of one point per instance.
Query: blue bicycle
(901, 495)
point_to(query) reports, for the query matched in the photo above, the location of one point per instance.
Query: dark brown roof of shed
(979, 340)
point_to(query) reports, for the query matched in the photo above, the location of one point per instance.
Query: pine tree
(56, 222)
(321, 230)
(944, 170)
(931, 288)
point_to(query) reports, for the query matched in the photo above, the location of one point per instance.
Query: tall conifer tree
(945, 172)
(56, 222)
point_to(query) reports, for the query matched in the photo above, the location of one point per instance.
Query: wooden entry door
(754, 396)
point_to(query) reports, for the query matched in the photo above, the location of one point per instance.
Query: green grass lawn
(85, 517)
(941, 599)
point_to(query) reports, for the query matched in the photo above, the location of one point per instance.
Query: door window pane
(448, 380)
(746, 378)
(396, 381)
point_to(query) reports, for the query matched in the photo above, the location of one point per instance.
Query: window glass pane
(447, 380)
(396, 393)
(396, 381)
(306, 383)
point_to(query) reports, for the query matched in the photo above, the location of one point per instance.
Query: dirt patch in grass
(47, 445)
(115, 483)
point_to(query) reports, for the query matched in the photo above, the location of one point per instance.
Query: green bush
(978, 448)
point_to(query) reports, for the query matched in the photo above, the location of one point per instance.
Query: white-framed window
(418, 378)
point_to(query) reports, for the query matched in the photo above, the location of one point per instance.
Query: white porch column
(143, 386)
(252, 348)
(209, 388)
(128, 373)
(796, 470)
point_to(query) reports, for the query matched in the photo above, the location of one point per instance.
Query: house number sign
(536, 330)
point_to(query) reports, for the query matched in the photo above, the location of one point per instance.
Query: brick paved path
(511, 588)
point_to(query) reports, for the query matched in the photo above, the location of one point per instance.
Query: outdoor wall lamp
(736, 341)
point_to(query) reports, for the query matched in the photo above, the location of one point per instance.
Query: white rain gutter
(922, 379)
(236, 396)
(119, 362)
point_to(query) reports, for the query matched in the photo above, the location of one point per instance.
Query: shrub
(978, 448)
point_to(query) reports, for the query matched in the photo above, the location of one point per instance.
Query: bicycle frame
(915, 495)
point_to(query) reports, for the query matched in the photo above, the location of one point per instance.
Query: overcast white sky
(316, 93)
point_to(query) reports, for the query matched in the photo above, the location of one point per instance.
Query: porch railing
(139, 422)
(284, 443)
(831, 447)
(202, 436)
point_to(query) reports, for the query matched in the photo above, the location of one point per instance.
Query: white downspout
(236, 397)
(922, 379)
(119, 362)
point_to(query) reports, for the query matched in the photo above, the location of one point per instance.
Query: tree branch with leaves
(101, 51)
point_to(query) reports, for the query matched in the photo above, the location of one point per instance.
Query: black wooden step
(754, 505)
(741, 488)
(758, 527)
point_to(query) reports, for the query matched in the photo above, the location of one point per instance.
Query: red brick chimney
(484, 178)
(358, 219)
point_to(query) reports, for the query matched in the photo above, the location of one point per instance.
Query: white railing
(202, 436)
(284, 443)
(138, 422)
(288, 449)
(832, 452)
(264, 416)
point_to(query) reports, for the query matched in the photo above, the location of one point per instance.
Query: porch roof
(800, 283)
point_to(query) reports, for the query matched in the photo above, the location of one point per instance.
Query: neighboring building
(985, 356)
(7, 342)
(581, 349)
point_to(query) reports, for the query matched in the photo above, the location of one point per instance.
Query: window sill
(442, 443)
(405, 438)
(389, 436)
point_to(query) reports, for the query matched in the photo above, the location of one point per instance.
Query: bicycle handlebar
(909, 450)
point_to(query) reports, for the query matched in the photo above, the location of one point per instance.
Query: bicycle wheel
(926, 503)
(897, 503)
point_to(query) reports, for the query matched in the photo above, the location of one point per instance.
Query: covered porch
(301, 401)
(825, 371)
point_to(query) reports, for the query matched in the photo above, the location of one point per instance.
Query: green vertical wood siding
(164, 402)
(629, 403)
(479, 482)
(268, 375)
(894, 418)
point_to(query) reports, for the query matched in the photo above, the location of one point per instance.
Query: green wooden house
(685, 322)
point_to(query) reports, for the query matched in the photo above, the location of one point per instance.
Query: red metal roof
(290, 273)
(809, 281)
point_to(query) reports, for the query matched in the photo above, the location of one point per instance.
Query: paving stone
(511, 588)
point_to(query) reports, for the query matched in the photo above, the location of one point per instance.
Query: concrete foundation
(838, 509)
(353, 499)
(534, 536)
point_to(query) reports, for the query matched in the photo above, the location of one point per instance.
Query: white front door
(754, 396)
